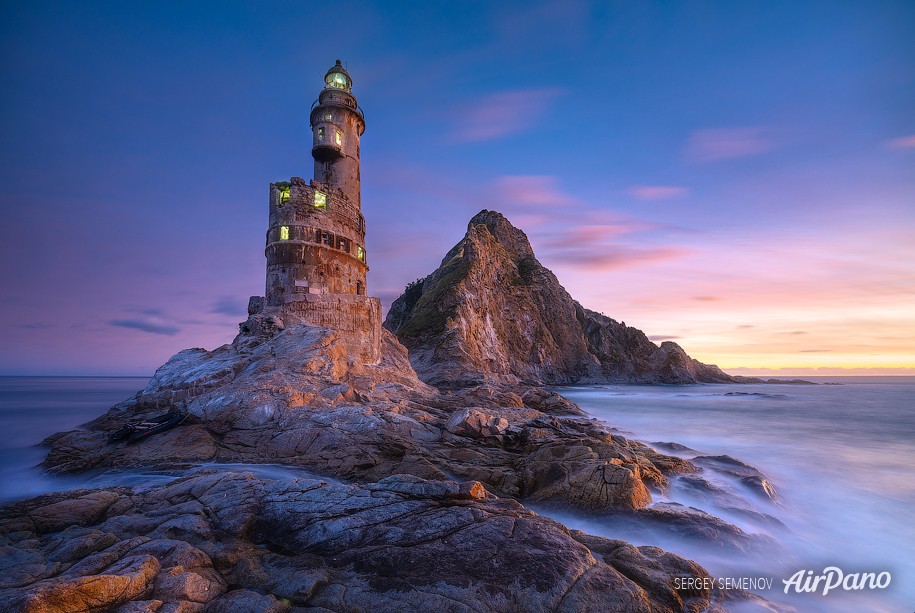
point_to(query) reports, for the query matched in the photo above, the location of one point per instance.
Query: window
(339, 137)
(284, 195)
(328, 117)
(360, 253)
(343, 245)
(320, 200)
(284, 233)
(327, 239)
(321, 133)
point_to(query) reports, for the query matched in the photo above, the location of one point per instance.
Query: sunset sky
(737, 177)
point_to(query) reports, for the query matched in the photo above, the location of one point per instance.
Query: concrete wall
(322, 252)
(356, 318)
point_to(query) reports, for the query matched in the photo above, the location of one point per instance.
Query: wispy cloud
(147, 324)
(615, 257)
(539, 190)
(903, 142)
(594, 239)
(661, 338)
(725, 143)
(657, 192)
(228, 305)
(504, 113)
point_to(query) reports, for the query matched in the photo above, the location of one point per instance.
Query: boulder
(476, 423)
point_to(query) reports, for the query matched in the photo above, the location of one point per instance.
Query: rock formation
(428, 520)
(223, 541)
(294, 396)
(492, 312)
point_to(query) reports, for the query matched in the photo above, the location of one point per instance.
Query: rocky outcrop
(492, 312)
(292, 396)
(224, 541)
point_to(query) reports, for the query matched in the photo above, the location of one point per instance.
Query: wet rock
(728, 465)
(680, 521)
(140, 606)
(746, 475)
(761, 487)
(248, 600)
(651, 568)
(82, 511)
(677, 447)
(122, 581)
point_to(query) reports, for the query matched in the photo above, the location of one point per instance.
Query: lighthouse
(315, 244)
(337, 124)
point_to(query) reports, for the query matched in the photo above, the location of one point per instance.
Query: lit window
(284, 233)
(339, 137)
(321, 133)
(360, 253)
(320, 200)
(284, 195)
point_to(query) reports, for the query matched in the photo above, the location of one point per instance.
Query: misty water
(32, 408)
(840, 456)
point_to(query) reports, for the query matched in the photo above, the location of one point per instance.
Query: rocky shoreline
(428, 515)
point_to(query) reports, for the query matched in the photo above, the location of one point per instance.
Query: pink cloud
(657, 192)
(586, 235)
(504, 113)
(615, 257)
(539, 190)
(725, 143)
(903, 142)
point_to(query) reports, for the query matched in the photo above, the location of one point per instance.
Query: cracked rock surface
(229, 541)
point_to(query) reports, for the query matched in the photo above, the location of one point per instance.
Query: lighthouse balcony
(327, 152)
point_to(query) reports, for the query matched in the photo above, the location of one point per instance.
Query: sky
(736, 177)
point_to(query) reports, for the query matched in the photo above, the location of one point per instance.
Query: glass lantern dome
(338, 78)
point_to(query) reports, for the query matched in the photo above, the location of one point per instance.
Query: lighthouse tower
(316, 256)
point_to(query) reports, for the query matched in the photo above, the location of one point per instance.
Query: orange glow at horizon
(790, 302)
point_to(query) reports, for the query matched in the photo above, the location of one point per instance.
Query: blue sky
(734, 176)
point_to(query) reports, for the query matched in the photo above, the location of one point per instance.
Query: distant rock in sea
(492, 312)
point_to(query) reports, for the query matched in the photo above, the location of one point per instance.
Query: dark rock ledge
(220, 541)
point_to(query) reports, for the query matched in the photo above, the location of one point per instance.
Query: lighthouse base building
(316, 256)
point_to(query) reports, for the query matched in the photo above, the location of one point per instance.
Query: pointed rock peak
(510, 237)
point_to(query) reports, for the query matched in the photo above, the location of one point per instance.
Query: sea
(840, 453)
